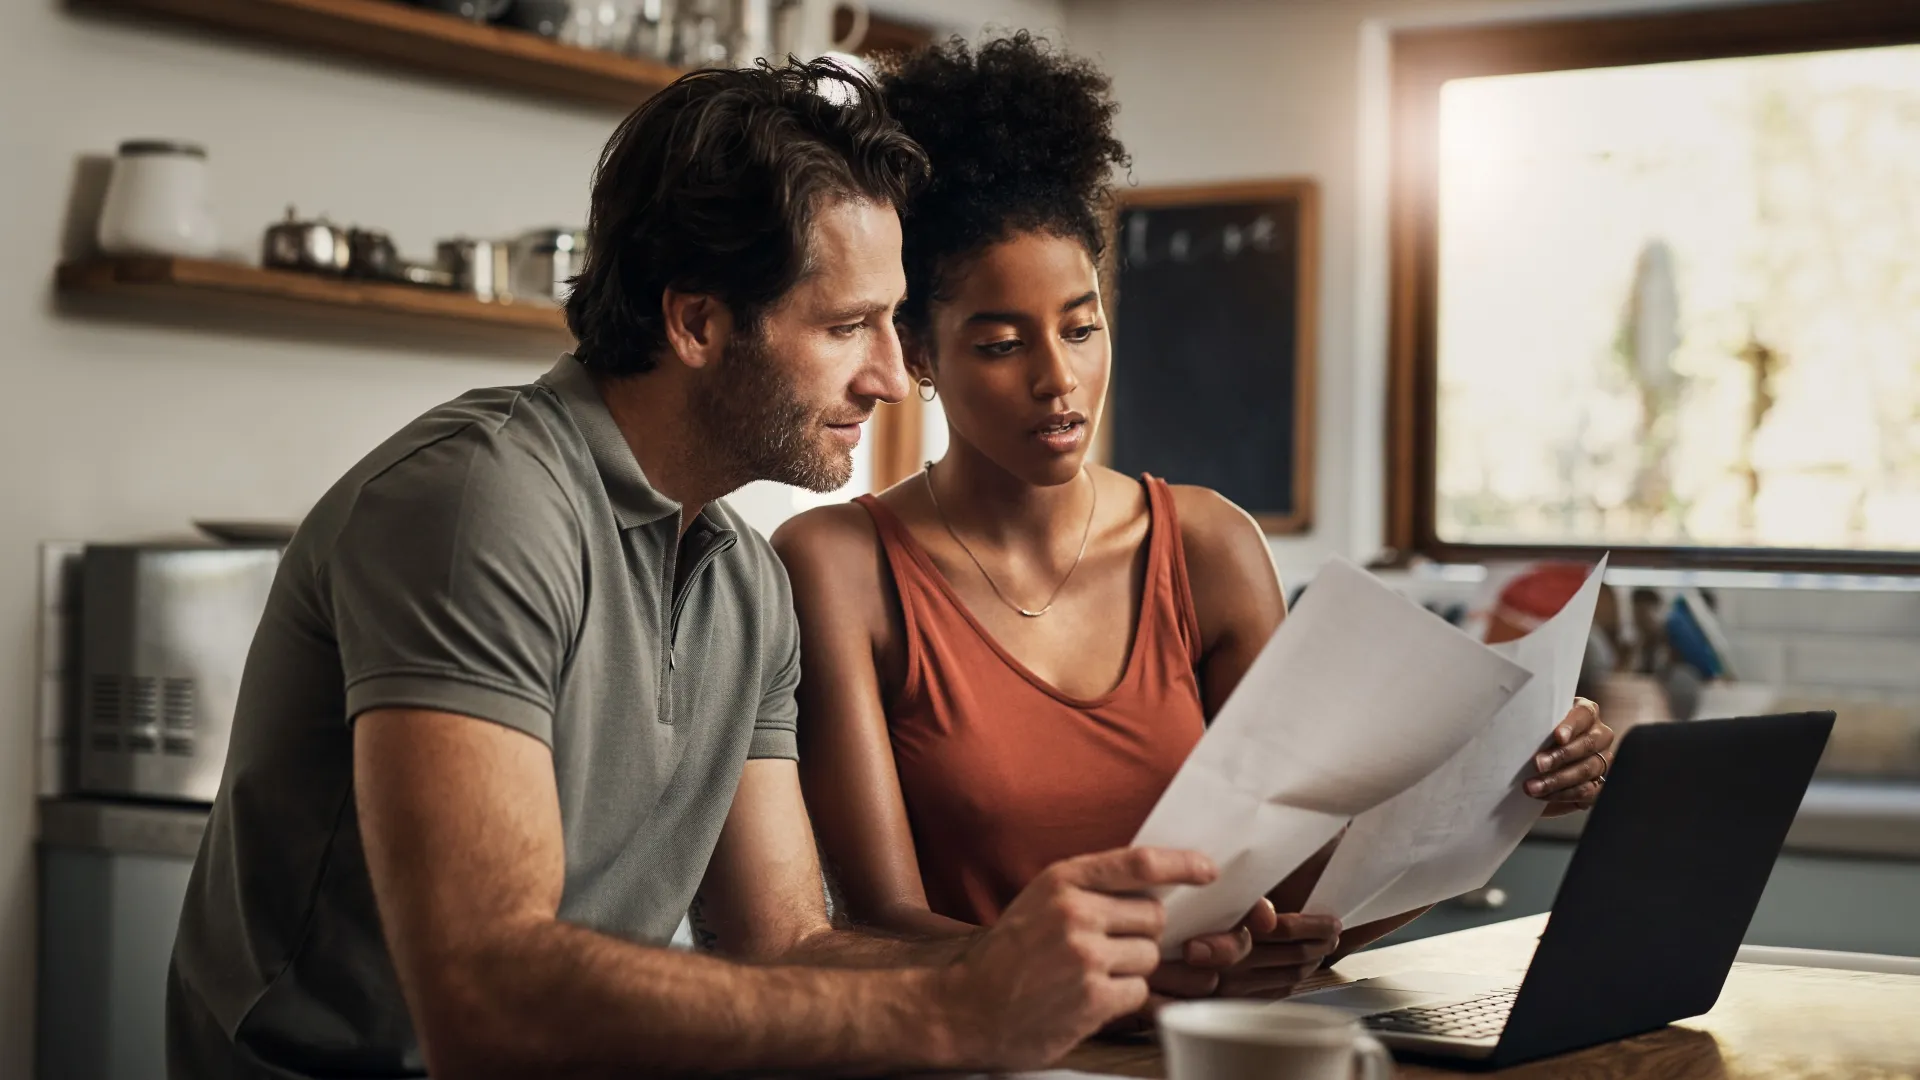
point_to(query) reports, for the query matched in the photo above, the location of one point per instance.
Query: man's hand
(1071, 952)
(1573, 765)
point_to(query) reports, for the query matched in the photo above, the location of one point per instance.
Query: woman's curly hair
(1020, 139)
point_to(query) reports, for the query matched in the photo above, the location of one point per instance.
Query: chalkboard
(1213, 342)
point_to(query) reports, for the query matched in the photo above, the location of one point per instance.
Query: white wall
(1257, 89)
(120, 428)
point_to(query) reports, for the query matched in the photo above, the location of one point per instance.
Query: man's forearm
(561, 999)
(898, 937)
(861, 947)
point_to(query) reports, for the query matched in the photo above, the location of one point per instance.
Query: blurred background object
(157, 202)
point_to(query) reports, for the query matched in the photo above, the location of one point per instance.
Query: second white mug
(805, 28)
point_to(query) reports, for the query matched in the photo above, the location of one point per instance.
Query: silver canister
(480, 267)
(545, 261)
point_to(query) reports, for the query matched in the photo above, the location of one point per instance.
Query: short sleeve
(775, 727)
(456, 584)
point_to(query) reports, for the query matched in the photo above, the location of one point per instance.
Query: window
(1657, 288)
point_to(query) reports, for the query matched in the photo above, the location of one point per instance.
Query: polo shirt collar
(635, 502)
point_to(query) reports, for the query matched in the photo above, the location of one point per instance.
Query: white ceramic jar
(157, 201)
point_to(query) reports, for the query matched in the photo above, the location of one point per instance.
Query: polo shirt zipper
(680, 597)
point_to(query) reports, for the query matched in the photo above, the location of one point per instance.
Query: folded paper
(1358, 695)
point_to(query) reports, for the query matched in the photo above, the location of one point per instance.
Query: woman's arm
(1239, 604)
(1236, 589)
(842, 594)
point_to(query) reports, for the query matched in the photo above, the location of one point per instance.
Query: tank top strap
(918, 595)
(1167, 557)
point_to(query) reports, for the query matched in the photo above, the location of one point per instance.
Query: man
(523, 692)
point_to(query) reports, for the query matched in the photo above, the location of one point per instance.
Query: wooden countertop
(1771, 1023)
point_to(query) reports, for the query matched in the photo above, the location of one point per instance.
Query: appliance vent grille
(143, 701)
(142, 732)
(106, 705)
(176, 705)
(103, 712)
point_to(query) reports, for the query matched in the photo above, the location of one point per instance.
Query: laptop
(1668, 872)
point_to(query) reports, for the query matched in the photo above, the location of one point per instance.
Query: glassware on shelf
(749, 31)
(601, 24)
(651, 37)
(699, 38)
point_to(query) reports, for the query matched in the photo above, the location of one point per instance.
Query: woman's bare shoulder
(827, 537)
(1214, 527)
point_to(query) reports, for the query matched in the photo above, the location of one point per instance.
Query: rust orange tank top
(1004, 774)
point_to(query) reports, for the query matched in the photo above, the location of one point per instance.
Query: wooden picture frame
(1304, 196)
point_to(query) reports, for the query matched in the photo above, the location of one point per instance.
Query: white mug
(1252, 1040)
(804, 28)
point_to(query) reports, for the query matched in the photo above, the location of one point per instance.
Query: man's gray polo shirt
(501, 557)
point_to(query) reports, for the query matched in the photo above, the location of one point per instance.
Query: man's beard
(757, 425)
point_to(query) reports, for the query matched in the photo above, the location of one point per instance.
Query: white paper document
(1448, 833)
(1359, 694)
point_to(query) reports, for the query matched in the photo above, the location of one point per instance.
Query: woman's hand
(1573, 766)
(1284, 954)
(1206, 959)
(1267, 955)
(1283, 957)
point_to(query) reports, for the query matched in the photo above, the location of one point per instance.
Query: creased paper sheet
(1359, 694)
(1448, 833)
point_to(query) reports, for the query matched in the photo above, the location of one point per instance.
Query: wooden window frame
(1423, 61)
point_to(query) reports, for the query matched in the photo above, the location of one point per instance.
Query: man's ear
(698, 326)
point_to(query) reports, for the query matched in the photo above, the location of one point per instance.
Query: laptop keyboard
(1475, 1018)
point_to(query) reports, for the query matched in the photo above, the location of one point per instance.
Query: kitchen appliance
(544, 262)
(371, 255)
(313, 246)
(164, 634)
(157, 201)
(480, 267)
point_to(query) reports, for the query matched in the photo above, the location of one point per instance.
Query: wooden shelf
(251, 289)
(425, 40)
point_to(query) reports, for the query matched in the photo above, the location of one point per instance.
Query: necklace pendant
(1086, 534)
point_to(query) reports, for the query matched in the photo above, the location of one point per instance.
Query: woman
(1008, 656)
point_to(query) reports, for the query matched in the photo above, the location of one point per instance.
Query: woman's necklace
(927, 475)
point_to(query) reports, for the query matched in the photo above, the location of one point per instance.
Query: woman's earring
(926, 389)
